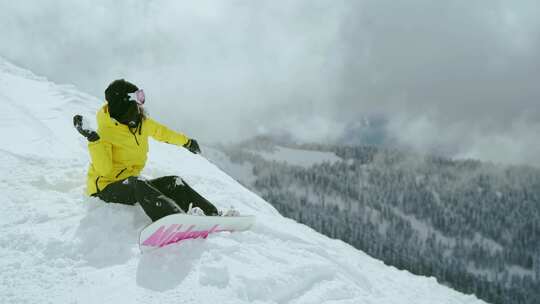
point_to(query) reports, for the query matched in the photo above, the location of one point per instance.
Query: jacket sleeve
(101, 155)
(161, 133)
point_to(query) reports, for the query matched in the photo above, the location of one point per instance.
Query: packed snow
(58, 246)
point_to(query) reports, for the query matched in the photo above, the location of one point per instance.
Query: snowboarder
(118, 152)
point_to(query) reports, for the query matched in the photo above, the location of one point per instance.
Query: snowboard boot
(230, 212)
(195, 211)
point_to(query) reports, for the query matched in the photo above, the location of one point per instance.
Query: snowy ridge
(298, 157)
(58, 246)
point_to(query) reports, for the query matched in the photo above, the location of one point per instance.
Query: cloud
(515, 144)
(456, 76)
(453, 74)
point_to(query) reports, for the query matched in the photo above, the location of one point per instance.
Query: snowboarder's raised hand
(193, 146)
(85, 131)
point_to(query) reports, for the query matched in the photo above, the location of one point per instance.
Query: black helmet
(120, 105)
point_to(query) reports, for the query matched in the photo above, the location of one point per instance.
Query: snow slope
(58, 246)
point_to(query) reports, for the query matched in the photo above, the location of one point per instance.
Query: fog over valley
(452, 77)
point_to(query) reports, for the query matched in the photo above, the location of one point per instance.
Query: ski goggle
(137, 96)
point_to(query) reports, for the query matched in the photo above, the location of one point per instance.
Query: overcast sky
(460, 76)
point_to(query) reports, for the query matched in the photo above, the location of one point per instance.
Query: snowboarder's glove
(193, 146)
(90, 134)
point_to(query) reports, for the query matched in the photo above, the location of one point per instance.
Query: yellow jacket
(119, 153)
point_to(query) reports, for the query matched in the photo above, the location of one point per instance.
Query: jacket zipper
(97, 187)
(117, 175)
(136, 139)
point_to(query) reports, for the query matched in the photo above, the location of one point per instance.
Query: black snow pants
(158, 197)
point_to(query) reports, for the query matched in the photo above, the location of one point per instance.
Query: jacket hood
(103, 117)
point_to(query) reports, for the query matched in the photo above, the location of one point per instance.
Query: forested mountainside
(475, 226)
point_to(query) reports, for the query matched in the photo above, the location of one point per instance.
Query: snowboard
(178, 227)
